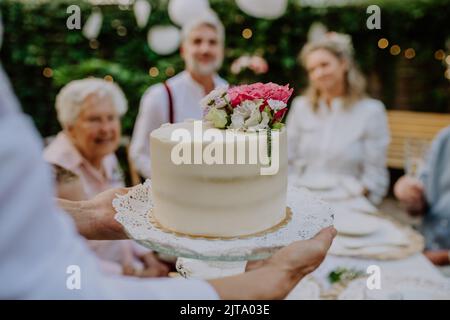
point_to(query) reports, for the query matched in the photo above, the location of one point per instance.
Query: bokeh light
(153, 72)
(395, 50)
(170, 71)
(410, 53)
(439, 55)
(247, 33)
(48, 72)
(383, 43)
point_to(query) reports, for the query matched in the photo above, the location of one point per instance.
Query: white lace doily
(309, 216)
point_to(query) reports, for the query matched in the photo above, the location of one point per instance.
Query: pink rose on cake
(251, 107)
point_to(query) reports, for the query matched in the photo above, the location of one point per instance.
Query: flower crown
(318, 34)
(343, 41)
(251, 107)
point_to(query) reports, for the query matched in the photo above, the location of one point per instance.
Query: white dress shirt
(341, 140)
(38, 242)
(154, 111)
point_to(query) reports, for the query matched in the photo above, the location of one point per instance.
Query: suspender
(169, 95)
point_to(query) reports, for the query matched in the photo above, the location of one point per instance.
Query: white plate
(389, 241)
(360, 204)
(355, 224)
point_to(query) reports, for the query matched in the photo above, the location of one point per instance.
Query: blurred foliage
(344, 275)
(36, 38)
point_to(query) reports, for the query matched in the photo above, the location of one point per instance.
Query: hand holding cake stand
(219, 187)
(306, 215)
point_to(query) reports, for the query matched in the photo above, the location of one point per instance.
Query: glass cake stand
(134, 212)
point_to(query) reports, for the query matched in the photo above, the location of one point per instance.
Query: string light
(247, 33)
(153, 72)
(170, 71)
(395, 50)
(48, 72)
(447, 60)
(447, 74)
(383, 43)
(410, 53)
(108, 78)
(439, 55)
(122, 31)
(94, 44)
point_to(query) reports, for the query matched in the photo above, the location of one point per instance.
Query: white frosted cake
(216, 200)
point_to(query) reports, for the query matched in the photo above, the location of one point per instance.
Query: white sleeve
(375, 176)
(293, 131)
(39, 243)
(153, 112)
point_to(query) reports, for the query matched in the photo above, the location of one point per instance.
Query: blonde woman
(335, 128)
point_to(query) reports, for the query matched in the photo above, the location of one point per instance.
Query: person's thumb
(326, 236)
(122, 191)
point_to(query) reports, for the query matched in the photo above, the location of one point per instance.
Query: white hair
(208, 18)
(71, 97)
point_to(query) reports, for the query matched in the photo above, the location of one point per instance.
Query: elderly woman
(334, 128)
(89, 112)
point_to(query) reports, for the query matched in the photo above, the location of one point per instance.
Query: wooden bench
(134, 175)
(405, 125)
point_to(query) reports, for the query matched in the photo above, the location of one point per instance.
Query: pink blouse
(61, 151)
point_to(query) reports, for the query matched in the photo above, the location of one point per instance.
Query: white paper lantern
(142, 10)
(93, 25)
(317, 31)
(267, 9)
(164, 40)
(182, 11)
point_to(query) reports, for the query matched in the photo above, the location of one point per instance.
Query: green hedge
(36, 37)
